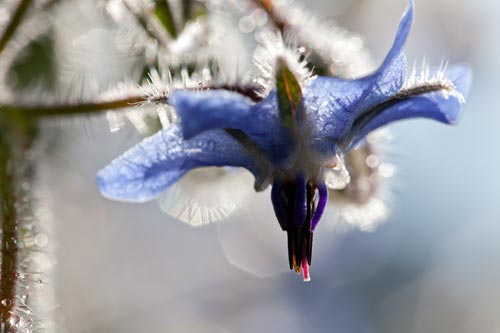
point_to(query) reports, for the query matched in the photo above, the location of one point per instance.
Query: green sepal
(289, 95)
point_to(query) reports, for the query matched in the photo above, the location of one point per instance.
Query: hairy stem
(16, 135)
(14, 22)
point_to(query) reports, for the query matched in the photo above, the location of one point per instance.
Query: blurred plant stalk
(15, 142)
(9, 232)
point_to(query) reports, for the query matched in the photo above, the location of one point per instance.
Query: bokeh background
(433, 267)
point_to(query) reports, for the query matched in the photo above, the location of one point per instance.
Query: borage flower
(292, 138)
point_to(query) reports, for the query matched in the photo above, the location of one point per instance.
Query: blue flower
(288, 139)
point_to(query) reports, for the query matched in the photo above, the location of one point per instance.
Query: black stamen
(290, 249)
(300, 236)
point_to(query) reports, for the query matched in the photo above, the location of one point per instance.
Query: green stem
(14, 23)
(72, 109)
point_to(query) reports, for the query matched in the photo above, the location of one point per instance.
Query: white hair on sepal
(273, 48)
(423, 78)
(150, 115)
(363, 202)
(157, 86)
(155, 110)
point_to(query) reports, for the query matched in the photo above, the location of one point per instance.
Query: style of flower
(290, 138)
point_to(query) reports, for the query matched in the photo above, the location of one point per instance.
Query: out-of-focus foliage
(35, 65)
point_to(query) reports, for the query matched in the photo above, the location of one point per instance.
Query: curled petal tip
(401, 35)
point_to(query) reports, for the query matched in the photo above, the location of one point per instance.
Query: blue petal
(216, 109)
(205, 110)
(157, 162)
(333, 104)
(330, 106)
(442, 105)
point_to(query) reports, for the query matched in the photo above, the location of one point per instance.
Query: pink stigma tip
(305, 270)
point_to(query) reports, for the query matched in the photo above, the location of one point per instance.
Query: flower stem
(73, 108)
(14, 22)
